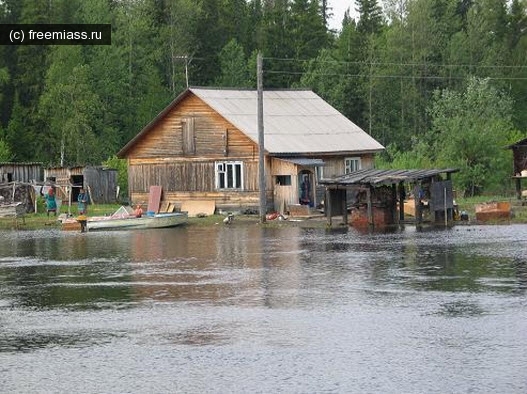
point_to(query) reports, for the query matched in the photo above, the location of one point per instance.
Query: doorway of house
(306, 192)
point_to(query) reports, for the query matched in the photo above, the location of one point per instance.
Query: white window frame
(227, 177)
(352, 164)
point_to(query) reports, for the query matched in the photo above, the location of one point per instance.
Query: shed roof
(521, 143)
(384, 177)
(296, 122)
(21, 164)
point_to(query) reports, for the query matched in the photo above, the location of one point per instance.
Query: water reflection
(300, 305)
(244, 264)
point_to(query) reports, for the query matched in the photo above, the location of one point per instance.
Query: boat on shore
(158, 220)
(123, 219)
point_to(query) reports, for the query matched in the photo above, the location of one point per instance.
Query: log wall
(214, 137)
(21, 172)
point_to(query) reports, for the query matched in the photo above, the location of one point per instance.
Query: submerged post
(446, 209)
(261, 157)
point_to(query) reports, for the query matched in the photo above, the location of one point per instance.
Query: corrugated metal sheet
(387, 177)
(304, 161)
(295, 121)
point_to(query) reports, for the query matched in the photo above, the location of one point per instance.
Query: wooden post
(418, 208)
(327, 206)
(393, 207)
(446, 212)
(370, 207)
(70, 191)
(261, 157)
(401, 201)
(345, 207)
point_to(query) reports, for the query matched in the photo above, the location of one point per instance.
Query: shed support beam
(519, 188)
(402, 196)
(345, 207)
(327, 207)
(393, 208)
(370, 207)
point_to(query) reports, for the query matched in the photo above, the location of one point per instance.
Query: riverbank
(35, 221)
(41, 221)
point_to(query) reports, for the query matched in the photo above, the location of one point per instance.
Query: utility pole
(187, 62)
(261, 157)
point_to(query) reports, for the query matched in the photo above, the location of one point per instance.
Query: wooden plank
(370, 206)
(164, 207)
(198, 207)
(154, 198)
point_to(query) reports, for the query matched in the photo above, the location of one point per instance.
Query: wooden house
(204, 147)
(519, 166)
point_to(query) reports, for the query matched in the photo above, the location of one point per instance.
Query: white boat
(158, 220)
(124, 219)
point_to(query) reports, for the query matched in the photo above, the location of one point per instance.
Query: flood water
(246, 309)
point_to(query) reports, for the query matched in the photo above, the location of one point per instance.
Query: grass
(469, 204)
(40, 220)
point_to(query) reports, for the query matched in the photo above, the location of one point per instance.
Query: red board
(154, 199)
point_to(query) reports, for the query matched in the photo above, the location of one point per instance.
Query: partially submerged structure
(377, 197)
(204, 147)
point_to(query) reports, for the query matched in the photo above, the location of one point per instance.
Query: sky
(339, 7)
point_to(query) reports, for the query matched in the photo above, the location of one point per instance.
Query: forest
(440, 83)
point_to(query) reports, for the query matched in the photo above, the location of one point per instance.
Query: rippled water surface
(246, 309)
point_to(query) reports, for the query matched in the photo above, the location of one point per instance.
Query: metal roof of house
(384, 177)
(295, 121)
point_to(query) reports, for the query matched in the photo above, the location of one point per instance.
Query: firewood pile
(16, 192)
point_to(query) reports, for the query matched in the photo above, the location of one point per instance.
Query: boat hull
(162, 220)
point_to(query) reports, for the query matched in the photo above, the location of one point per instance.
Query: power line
(387, 76)
(366, 63)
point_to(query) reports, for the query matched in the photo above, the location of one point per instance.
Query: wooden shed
(21, 172)
(519, 166)
(99, 182)
(204, 147)
(377, 197)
